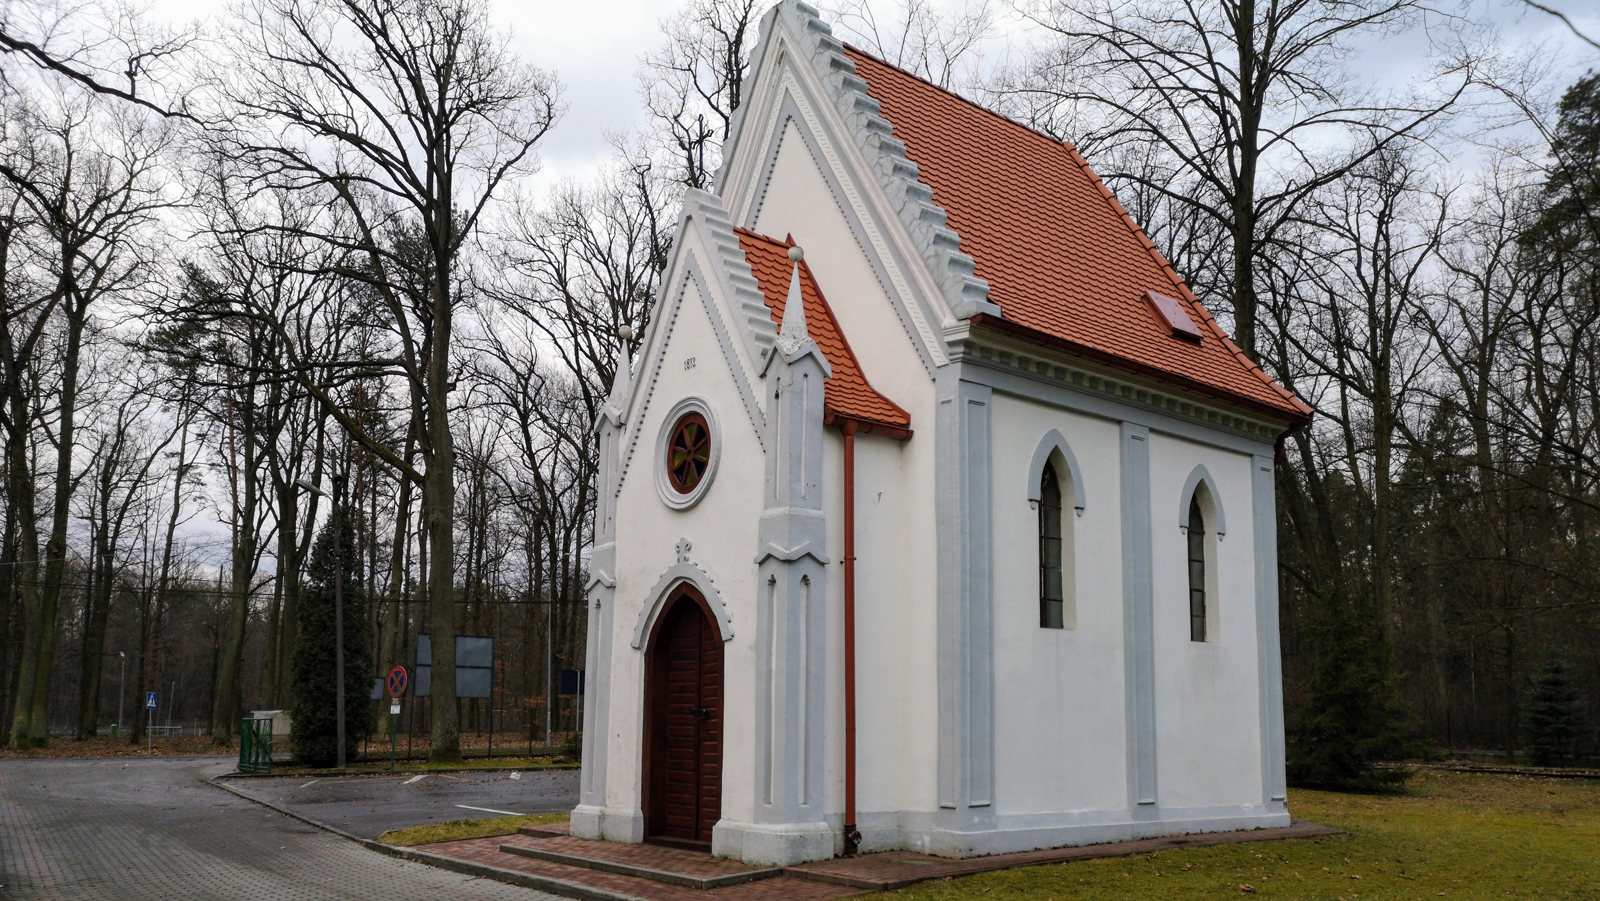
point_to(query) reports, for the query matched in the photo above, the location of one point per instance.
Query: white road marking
(516, 775)
(415, 779)
(309, 784)
(489, 810)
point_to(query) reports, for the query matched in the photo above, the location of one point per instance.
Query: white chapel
(935, 513)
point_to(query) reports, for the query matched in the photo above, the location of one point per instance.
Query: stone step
(643, 872)
(484, 857)
(553, 830)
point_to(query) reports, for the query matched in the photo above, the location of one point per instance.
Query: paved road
(151, 829)
(369, 806)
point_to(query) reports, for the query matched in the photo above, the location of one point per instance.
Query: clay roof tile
(1063, 259)
(847, 395)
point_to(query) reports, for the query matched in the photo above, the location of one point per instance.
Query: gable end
(952, 270)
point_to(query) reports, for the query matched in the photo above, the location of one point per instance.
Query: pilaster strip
(1138, 619)
(1265, 526)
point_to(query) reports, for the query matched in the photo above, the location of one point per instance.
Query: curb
(465, 867)
(565, 767)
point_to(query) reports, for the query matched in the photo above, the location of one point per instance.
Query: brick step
(553, 830)
(627, 869)
(489, 857)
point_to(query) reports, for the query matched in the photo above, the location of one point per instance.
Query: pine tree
(1355, 716)
(1552, 722)
(313, 735)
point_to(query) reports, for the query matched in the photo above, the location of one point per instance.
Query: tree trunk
(94, 627)
(228, 697)
(21, 485)
(389, 647)
(55, 563)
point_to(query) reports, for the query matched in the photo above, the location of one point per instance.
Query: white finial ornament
(792, 335)
(622, 380)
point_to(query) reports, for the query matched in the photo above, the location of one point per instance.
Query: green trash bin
(255, 745)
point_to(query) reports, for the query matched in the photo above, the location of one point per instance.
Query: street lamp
(338, 601)
(122, 684)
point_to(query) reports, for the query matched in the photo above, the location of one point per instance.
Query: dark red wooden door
(686, 723)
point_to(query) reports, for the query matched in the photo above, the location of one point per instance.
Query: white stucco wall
(720, 527)
(1208, 729)
(1059, 703)
(896, 545)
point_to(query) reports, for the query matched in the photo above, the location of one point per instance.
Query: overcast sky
(594, 47)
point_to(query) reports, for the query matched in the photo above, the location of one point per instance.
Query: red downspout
(852, 838)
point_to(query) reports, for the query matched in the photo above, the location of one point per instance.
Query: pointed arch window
(1052, 553)
(1197, 570)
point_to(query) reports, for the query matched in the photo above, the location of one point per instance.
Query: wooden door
(684, 745)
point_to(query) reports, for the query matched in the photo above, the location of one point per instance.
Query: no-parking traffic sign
(397, 681)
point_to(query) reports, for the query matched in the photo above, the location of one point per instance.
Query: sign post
(397, 687)
(149, 720)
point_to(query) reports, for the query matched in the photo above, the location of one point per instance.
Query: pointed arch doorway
(683, 723)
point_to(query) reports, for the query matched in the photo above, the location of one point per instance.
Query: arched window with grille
(1055, 489)
(1197, 570)
(1052, 553)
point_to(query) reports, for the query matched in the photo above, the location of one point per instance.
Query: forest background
(309, 238)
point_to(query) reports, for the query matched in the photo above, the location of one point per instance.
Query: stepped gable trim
(1264, 390)
(685, 270)
(847, 395)
(895, 259)
(953, 271)
(742, 289)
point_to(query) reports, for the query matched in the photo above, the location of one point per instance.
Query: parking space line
(489, 810)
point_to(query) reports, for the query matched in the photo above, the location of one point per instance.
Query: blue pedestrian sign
(149, 700)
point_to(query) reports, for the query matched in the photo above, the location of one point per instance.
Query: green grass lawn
(451, 830)
(1449, 835)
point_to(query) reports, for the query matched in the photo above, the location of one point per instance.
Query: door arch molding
(666, 587)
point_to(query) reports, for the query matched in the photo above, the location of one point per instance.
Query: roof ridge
(952, 269)
(967, 100)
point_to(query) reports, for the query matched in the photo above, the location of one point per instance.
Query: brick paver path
(150, 829)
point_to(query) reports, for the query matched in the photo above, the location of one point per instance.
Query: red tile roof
(847, 395)
(1064, 261)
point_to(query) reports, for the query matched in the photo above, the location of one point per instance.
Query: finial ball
(625, 332)
(796, 254)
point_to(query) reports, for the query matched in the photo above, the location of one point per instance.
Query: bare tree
(694, 82)
(109, 49)
(408, 116)
(92, 179)
(1238, 95)
(127, 446)
(938, 44)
